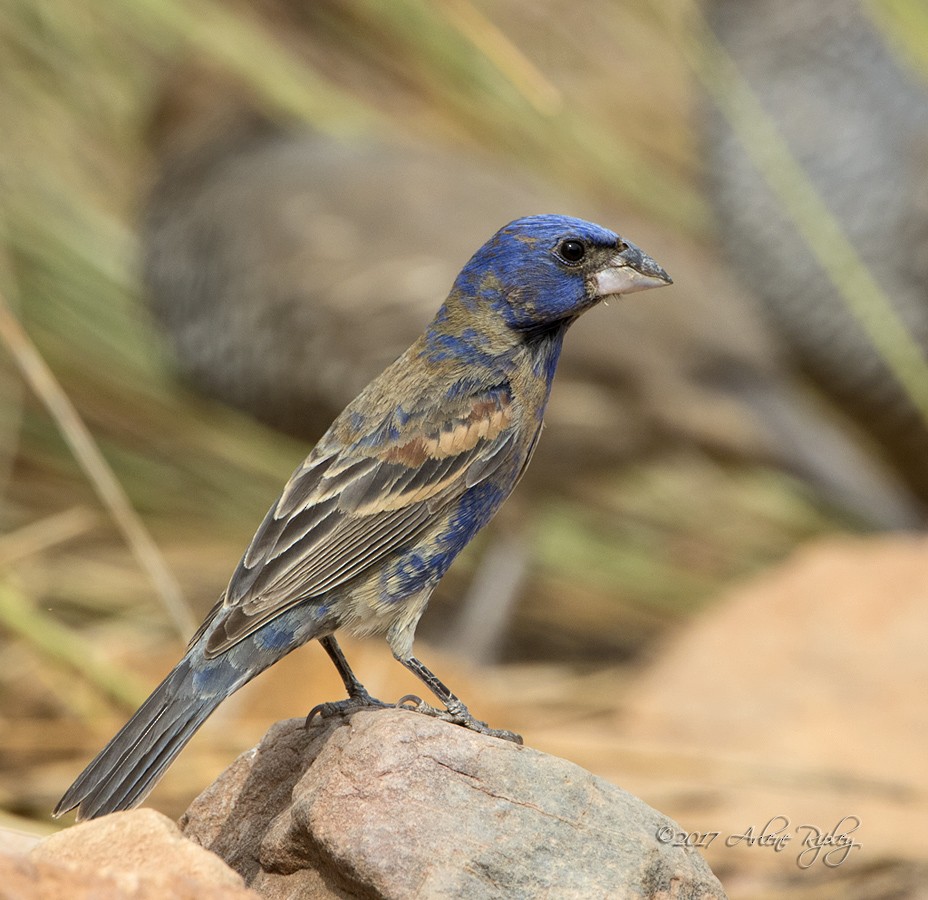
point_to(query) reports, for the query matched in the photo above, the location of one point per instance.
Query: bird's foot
(458, 714)
(358, 700)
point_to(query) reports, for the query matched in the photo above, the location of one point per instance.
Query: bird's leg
(356, 690)
(358, 697)
(455, 710)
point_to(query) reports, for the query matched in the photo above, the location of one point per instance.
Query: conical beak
(629, 271)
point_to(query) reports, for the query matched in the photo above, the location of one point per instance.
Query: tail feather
(129, 784)
(129, 766)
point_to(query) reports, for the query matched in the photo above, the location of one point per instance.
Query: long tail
(129, 766)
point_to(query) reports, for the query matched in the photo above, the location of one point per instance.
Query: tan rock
(24, 879)
(803, 695)
(137, 854)
(13, 841)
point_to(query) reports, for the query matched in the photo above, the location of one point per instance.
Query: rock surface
(139, 855)
(394, 804)
(14, 841)
(801, 694)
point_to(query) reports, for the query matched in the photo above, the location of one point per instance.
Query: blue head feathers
(542, 270)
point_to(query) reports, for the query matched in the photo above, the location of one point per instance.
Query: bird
(402, 480)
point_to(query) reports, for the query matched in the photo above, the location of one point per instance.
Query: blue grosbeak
(411, 470)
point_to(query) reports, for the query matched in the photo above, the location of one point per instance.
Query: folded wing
(347, 509)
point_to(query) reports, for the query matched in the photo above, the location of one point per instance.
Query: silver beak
(629, 271)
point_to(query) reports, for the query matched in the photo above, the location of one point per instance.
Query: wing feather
(344, 511)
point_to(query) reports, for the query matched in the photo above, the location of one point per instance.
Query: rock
(139, 854)
(801, 694)
(395, 804)
(855, 118)
(24, 879)
(14, 841)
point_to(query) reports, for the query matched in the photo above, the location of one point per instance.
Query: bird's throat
(544, 348)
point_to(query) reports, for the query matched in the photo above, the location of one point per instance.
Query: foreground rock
(139, 855)
(394, 804)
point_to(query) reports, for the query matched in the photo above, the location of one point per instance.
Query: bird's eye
(621, 246)
(571, 251)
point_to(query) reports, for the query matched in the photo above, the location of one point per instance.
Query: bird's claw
(482, 728)
(459, 715)
(343, 707)
(412, 702)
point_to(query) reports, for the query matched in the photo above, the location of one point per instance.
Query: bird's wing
(345, 510)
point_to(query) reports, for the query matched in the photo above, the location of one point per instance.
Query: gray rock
(394, 804)
(856, 119)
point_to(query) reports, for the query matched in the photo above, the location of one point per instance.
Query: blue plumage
(404, 478)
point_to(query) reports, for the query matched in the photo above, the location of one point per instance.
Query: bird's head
(544, 270)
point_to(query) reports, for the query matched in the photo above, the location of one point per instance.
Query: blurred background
(219, 220)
